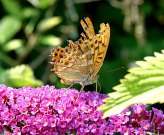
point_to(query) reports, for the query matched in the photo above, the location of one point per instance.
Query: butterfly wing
(100, 50)
(72, 64)
(97, 43)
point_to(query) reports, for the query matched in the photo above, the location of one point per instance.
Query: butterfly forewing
(98, 43)
(88, 28)
(102, 39)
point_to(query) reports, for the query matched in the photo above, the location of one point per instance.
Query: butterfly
(80, 61)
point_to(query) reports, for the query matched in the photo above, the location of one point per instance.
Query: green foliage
(49, 23)
(144, 84)
(19, 76)
(6, 32)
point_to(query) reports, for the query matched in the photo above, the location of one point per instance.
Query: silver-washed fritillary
(80, 61)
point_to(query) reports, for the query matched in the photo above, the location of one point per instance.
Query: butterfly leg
(82, 88)
(98, 83)
(70, 86)
(96, 86)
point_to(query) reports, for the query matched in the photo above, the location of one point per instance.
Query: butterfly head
(90, 80)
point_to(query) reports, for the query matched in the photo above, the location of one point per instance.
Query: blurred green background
(29, 29)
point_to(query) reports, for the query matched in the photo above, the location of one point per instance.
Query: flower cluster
(138, 120)
(49, 111)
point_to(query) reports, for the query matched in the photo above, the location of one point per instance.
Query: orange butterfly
(80, 61)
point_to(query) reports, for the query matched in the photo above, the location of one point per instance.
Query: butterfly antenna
(82, 88)
(115, 69)
(97, 85)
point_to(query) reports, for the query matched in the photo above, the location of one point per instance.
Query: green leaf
(50, 40)
(48, 23)
(20, 76)
(30, 12)
(12, 7)
(13, 45)
(144, 84)
(9, 26)
(42, 3)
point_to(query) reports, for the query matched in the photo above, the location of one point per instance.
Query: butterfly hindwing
(71, 64)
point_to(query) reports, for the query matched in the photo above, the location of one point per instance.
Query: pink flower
(46, 110)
